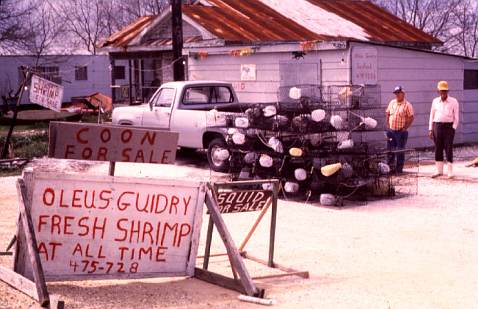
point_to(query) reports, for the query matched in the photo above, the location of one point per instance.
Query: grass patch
(28, 141)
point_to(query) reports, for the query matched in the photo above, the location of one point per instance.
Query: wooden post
(112, 167)
(177, 36)
(130, 82)
(15, 115)
(113, 80)
(234, 256)
(31, 244)
(207, 249)
(273, 224)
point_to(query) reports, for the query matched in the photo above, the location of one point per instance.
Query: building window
(50, 73)
(81, 73)
(119, 72)
(470, 80)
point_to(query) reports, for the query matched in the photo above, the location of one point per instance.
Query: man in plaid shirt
(399, 118)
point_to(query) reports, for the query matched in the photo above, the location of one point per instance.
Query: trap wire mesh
(324, 143)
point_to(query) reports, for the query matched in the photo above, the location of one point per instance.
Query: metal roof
(254, 20)
(123, 37)
(249, 21)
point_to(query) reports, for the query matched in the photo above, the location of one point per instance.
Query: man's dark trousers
(396, 141)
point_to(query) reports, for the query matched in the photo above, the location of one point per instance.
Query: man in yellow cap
(444, 118)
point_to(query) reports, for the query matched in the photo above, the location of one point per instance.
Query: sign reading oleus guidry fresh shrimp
(98, 226)
(111, 143)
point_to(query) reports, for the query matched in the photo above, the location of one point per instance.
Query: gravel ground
(419, 251)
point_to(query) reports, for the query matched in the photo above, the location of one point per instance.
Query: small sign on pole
(46, 93)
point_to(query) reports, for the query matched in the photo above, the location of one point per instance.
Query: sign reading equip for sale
(98, 227)
(46, 93)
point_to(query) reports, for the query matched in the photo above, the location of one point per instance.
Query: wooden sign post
(83, 227)
(229, 198)
(109, 228)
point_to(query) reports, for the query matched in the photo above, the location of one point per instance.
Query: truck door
(190, 116)
(159, 113)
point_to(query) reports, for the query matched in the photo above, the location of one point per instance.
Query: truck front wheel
(216, 163)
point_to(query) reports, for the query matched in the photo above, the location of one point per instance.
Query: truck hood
(132, 114)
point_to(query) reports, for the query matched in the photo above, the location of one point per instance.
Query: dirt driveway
(414, 252)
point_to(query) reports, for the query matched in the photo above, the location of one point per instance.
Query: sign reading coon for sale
(86, 141)
(46, 93)
(101, 226)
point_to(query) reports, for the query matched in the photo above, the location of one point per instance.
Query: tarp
(99, 99)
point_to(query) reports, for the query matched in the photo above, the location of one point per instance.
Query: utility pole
(177, 35)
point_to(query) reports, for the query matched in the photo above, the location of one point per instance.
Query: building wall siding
(265, 88)
(418, 73)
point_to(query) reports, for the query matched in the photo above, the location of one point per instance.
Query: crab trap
(323, 143)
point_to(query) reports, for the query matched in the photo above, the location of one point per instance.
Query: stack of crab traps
(323, 143)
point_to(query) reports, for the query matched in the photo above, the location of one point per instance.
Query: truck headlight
(241, 122)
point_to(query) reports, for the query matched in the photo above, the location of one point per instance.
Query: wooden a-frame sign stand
(35, 288)
(242, 281)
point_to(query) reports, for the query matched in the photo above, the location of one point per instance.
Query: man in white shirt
(444, 118)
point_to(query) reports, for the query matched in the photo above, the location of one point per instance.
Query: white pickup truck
(184, 107)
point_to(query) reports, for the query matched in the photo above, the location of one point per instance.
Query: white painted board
(94, 227)
(46, 93)
(364, 66)
(89, 141)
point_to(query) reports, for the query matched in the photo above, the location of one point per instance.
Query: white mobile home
(80, 75)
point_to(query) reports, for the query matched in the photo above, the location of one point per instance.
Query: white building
(261, 45)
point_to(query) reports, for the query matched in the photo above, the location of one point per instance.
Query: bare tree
(83, 19)
(454, 22)
(46, 31)
(12, 27)
(464, 39)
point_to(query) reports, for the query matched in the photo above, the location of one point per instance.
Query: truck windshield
(163, 97)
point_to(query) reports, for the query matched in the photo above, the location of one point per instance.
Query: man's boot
(439, 171)
(449, 167)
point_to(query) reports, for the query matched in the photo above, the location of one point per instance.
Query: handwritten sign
(364, 66)
(46, 93)
(92, 226)
(242, 201)
(111, 143)
(248, 72)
